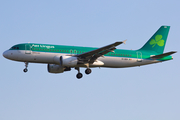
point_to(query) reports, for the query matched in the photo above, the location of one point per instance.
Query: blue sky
(139, 93)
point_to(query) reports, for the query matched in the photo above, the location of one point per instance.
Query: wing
(91, 56)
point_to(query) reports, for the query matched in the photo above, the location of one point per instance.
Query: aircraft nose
(5, 54)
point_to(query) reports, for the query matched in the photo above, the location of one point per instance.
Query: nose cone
(5, 54)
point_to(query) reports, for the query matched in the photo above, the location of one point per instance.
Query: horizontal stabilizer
(163, 55)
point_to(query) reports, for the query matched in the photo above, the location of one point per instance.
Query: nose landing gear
(26, 65)
(25, 70)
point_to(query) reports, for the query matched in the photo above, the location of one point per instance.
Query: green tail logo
(158, 40)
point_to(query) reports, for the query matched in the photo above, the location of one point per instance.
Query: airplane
(61, 58)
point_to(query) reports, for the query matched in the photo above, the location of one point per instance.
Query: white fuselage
(49, 58)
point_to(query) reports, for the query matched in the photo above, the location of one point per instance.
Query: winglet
(124, 41)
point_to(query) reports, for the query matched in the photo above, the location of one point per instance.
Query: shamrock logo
(158, 40)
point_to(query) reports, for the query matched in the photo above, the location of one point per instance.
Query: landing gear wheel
(88, 71)
(79, 75)
(26, 65)
(25, 70)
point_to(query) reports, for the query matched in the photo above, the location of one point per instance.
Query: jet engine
(53, 68)
(66, 60)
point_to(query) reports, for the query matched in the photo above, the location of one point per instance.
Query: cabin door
(139, 56)
(28, 49)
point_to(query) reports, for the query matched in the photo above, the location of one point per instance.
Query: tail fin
(158, 41)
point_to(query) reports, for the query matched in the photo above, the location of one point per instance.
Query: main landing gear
(88, 71)
(26, 65)
(80, 75)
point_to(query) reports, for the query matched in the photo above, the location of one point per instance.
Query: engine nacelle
(53, 68)
(68, 61)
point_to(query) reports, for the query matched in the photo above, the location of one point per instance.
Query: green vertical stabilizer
(158, 41)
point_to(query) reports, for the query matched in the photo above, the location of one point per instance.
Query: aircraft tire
(79, 75)
(25, 70)
(88, 71)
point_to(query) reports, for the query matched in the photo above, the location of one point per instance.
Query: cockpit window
(15, 48)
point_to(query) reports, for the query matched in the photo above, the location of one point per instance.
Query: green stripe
(79, 50)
